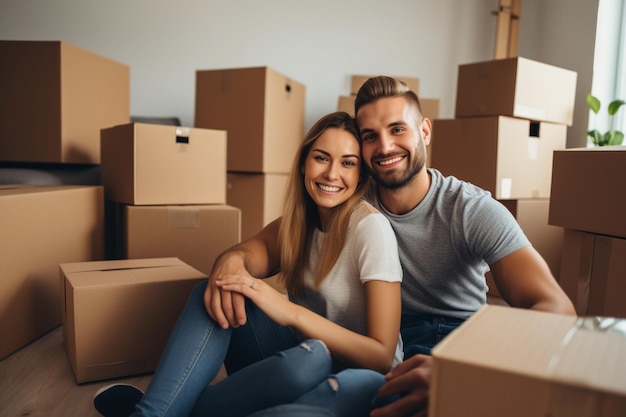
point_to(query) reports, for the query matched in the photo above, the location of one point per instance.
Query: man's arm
(258, 257)
(524, 280)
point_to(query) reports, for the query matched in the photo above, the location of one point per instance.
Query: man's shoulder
(449, 184)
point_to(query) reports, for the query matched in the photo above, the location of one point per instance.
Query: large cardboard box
(587, 190)
(518, 87)
(532, 216)
(156, 164)
(196, 234)
(118, 315)
(513, 362)
(261, 109)
(592, 273)
(41, 227)
(356, 81)
(260, 198)
(510, 157)
(55, 99)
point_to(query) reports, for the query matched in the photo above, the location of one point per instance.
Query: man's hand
(225, 307)
(411, 380)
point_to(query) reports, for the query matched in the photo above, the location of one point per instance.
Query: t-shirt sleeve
(376, 249)
(491, 230)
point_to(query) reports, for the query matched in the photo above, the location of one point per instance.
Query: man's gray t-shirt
(446, 244)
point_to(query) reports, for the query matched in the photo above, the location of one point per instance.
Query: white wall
(319, 43)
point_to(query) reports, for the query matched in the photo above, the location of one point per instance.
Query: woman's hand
(273, 303)
(225, 307)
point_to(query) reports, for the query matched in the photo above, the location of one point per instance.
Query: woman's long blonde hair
(301, 217)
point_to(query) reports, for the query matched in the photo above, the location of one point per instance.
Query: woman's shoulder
(366, 213)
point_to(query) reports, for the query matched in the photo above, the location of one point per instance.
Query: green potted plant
(612, 136)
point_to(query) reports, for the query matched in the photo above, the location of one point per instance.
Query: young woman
(339, 263)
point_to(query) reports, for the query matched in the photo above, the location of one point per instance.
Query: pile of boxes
(588, 202)
(55, 98)
(511, 115)
(430, 106)
(114, 263)
(263, 112)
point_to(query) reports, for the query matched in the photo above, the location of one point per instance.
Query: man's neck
(405, 199)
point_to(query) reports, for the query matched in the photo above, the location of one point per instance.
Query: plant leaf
(616, 138)
(593, 103)
(595, 137)
(615, 105)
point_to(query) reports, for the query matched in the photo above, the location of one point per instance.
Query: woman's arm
(373, 351)
(258, 257)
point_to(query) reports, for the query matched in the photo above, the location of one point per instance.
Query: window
(609, 68)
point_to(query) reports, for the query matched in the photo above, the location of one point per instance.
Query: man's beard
(396, 180)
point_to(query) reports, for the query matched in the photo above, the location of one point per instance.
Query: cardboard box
(55, 99)
(513, 362)
(517, 87)
(510, 157)
(260, 198)
(587, 190)
(592, 273)
(356, 81)
(196, 234)
(262, 110)
(40, 228)
(118, 315)
(532, 216)
(157, 164)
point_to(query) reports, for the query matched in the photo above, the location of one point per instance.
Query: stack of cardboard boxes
(510, 116)
(430, 106)
(55, 99)
(114, 263)
(263, 112)
(589, 202)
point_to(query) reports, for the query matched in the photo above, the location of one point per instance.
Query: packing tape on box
(183, 217)
(579, 397)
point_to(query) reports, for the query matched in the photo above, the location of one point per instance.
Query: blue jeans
(266, 363)
(420, 333)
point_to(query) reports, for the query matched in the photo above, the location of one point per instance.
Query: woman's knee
(304, 365)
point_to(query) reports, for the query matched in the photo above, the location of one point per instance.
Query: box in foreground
(513, 362)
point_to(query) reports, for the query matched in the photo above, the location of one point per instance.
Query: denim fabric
(266, 364)
(294, 410)
(420, 333)
(196, 350)
(350, 394)
(278, 379)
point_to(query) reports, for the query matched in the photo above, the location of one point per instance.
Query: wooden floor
(37, 381)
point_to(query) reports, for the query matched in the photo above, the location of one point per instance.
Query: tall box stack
(430, 106)
(55, 99)
(587, 202)
(166, 193)
(263, 113)
(511, 115)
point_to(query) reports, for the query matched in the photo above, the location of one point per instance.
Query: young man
(449, 234)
